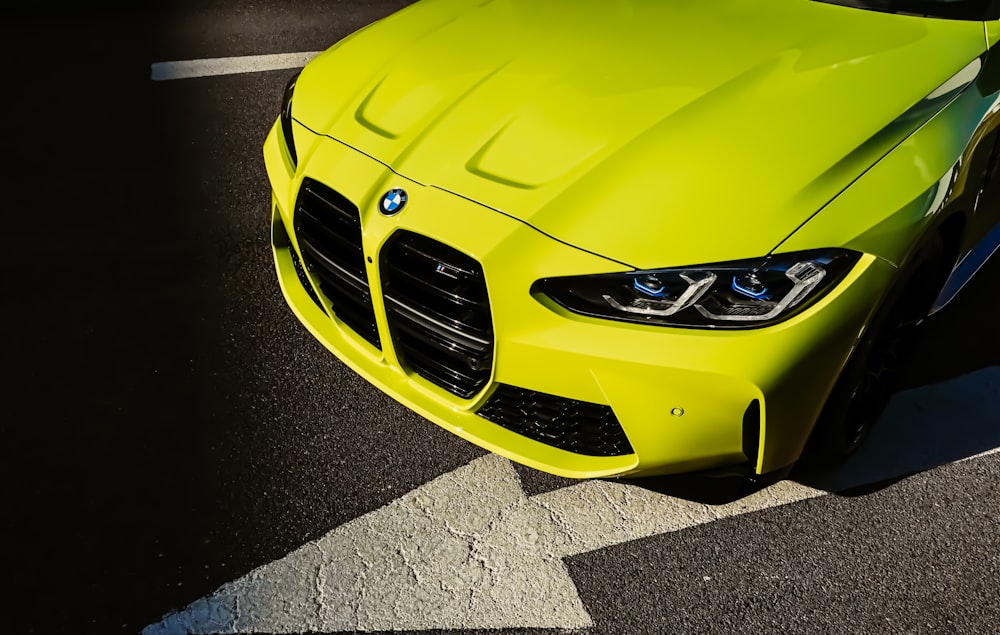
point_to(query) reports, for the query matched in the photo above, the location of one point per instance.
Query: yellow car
(638, 238)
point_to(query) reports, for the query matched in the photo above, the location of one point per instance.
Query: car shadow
(947, 408)
(922, 428)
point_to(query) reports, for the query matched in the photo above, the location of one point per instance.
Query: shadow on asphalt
(710, 489)
(922, 428)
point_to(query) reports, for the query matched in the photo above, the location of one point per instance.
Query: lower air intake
(576, 426)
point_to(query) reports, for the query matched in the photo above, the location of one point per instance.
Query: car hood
(653, 133)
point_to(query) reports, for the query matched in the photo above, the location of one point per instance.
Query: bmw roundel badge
(393, 202)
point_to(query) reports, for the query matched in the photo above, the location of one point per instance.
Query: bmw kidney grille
(435, 296)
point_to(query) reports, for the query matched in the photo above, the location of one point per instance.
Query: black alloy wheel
(874, 369)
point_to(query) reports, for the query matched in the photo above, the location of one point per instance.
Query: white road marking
(980, 455)
(470, 550)
(467, 550)
(186, 69)
(598, 514)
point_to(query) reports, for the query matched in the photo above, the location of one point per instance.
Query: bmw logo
(393, 202)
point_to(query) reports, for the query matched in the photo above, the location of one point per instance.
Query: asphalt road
(172, 427)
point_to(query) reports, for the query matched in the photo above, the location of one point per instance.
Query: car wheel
(873, 371)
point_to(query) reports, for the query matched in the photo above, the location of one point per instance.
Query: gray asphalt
(172, 426)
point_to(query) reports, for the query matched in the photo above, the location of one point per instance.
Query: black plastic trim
(328, 227)
(438, 312)
(582, 427)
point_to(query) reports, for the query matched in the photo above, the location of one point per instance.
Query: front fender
(935, 172)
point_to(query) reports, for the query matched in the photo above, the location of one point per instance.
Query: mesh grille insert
(576, 426)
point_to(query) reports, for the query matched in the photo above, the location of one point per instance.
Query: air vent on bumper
(577, 426)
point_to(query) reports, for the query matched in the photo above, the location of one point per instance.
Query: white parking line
(187, 69)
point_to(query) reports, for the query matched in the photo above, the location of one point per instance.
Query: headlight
(286, 118)
(739, 294)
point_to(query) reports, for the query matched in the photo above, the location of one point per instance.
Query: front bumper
(686, 399)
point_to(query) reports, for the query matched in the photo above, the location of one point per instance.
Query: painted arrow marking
(471, 550)
(467, 550)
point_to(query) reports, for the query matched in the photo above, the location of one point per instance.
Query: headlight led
(741, 294)
(654, 305)
(805, 276)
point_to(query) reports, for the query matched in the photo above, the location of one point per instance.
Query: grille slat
(418, 285)
(412, 250)
(576, 426)
(453, 288)
(330, 240)
(332, 271)
(428, 327)
(438, 312)
(438, 371)
(332, 201)
(328, 227)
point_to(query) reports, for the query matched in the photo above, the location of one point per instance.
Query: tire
(873, 371)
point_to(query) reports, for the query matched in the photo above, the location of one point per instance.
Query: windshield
(952, 9)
